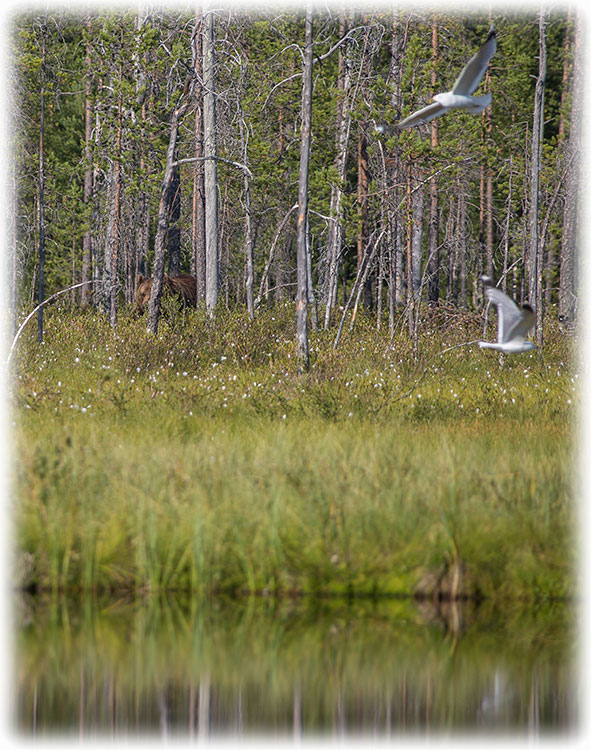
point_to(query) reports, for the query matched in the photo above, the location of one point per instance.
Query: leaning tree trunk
(302, 351)
(210, 168)
(164, 206)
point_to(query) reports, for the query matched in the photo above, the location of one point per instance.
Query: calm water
(183, 668)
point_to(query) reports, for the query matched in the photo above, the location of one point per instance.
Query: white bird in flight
(513, 322)
(460, 97)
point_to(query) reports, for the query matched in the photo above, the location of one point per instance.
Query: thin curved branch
(42, 304)
(192, 159)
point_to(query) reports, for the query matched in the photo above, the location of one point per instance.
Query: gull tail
(479, 103)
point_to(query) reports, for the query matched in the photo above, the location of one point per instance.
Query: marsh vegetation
(198, 460)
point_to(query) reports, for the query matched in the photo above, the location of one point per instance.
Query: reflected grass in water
(169, 666)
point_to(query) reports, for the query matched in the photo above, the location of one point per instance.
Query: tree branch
(42, 304)
(193, 159)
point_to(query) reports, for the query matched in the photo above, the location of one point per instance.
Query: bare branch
(42, 304)
(257, 301)
(193, 159)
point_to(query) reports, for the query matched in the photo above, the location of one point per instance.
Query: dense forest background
(129, 126)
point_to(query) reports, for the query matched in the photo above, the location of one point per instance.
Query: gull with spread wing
(460, 97)
(513, 322)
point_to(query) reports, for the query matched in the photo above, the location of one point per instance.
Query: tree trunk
(362, 216)
(312, 306)
(142, 218)
(41, 280)
(415, 270)
(210, 167)
(433, 231)
(88, 173)
(567, 293)
(174, 231)
(418, 210)
(248, 243)
(487, 131)
(115, 237)
(164, 205)
(564, 89)
(198, 263)
(142, 234)
(480, 260)
(414, 241)
(343, 121)
(302, 352)
(451, 289)
(98, 271)
(535, 261)
(462, 249)
(507, 226)
(396, 177)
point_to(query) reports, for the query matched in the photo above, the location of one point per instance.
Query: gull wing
(468, 80)
(523, 325)
(422, 115)
(508, 314)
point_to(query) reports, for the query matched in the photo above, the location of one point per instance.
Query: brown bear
(184, 286)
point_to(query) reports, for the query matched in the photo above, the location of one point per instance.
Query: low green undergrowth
(199, 460)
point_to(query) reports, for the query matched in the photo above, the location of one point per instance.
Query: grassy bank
(199, 460)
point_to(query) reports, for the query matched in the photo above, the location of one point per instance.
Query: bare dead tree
(302, 351)
(535, 260)
(198, 262)
(166, 196)
(88, 171)
(248, 239)
(343, 118)
(41, 288)
(433, 228)
(568, 291)
(210, 168)
(164, 210)
(115, 238)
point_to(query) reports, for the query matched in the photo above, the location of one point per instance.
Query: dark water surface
(180, 667)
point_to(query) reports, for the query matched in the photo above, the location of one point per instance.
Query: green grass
(199, 460)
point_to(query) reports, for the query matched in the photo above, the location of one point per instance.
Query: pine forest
(150, 142)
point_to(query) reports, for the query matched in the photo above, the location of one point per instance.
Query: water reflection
(174, 667)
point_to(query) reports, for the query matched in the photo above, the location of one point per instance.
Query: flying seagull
(460, 97)
(513, 322)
